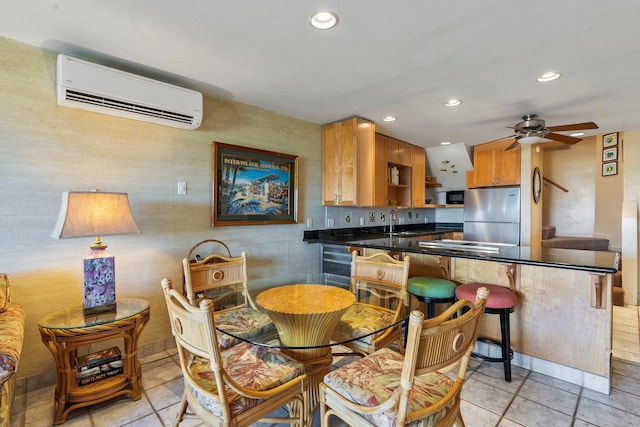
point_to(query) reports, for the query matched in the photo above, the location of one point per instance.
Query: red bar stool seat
(501, 301)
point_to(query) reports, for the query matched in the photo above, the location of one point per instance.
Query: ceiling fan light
(527, 140)
(547, 77)
(323, 20)
(577, 134)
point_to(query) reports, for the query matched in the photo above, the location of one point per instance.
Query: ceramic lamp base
(99, 282)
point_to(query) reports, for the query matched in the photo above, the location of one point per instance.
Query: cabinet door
(405, 153)
(339, 167)
(348, 163)
(330, 163)
(508, 167)
(483, 168)
(392, 150)
(419, 177)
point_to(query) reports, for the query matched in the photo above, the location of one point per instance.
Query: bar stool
(433, 290)
(501, 301)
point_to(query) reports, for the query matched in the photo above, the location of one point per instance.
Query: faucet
(392, 219)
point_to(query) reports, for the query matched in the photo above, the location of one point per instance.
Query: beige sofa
(11, 337)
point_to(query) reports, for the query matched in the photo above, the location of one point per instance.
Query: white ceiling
(401, 58)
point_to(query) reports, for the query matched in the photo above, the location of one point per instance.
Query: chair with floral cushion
(237, 386)
(381, 278)
(387, 389)
(223, 279)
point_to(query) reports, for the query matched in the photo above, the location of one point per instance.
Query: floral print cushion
(242, 322)
(253, 367)
(371, 380)
(360, 320)
(11, 338)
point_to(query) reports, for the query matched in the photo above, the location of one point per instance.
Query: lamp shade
(84, 214)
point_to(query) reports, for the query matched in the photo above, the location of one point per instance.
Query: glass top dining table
(306, 308)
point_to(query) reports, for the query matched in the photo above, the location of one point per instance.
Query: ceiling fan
(532, 129)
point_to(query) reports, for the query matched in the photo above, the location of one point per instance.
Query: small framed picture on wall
(609, 154)
(609, 168)
(610, 139)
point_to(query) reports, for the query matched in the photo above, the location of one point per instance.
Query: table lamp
(96, 213)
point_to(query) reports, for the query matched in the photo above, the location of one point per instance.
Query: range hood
(449, 165)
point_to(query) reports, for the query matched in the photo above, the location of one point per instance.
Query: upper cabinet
(349, 161)
(398, 152)
(364, 168)
(493, 166)
(419, 161)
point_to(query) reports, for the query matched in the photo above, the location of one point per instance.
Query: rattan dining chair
(237, 386)
(387, 389)
(380, 284)
(224, 280)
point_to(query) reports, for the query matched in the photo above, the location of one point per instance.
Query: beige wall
(593, 204)
(46, 149)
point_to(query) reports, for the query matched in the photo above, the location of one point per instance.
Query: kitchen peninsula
(562, 326)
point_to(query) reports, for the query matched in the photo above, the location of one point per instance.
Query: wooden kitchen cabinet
(350, 158)
(493, 166)
(399, 152)
(418, 181)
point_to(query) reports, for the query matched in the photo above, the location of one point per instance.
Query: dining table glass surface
(309, 306)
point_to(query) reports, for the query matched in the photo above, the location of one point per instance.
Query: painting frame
(610, 154)
(609, 168)
(252, 186)
(610, 139)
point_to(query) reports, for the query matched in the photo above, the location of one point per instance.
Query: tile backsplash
(349, 216)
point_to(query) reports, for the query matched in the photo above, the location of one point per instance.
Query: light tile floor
(531, 399)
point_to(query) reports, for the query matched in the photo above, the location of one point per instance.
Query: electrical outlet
(347, 218)
(382, 216)
(372, 217)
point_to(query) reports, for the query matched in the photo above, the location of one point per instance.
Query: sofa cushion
(5, 292)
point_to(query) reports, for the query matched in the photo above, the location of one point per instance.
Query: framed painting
(252, 187)
(609, 154)
(610, 168)
(610, 140)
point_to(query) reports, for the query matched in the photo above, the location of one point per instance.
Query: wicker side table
(67, 329)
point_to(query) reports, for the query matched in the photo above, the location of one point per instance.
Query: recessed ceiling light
(389, 119)
(324, 20)
(547, 77)
(577, 134)
(445, 143)
(453, 102)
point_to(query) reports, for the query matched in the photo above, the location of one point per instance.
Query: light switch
(182, 188)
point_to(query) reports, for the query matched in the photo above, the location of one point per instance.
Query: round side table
(67, 329)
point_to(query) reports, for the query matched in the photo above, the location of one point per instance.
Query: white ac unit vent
(101, 89)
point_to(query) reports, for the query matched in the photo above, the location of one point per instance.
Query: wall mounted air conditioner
(94, 87)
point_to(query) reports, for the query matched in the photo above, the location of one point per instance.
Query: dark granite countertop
(375, 237)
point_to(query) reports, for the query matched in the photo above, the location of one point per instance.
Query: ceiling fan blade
(512, 146)
(501, 139)
(563, 138)
(575, 126)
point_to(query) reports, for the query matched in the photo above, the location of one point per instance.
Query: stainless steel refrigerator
(492, 215)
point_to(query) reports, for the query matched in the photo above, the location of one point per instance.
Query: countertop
(375, 237)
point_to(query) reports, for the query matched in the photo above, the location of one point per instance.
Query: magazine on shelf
(98, 358)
